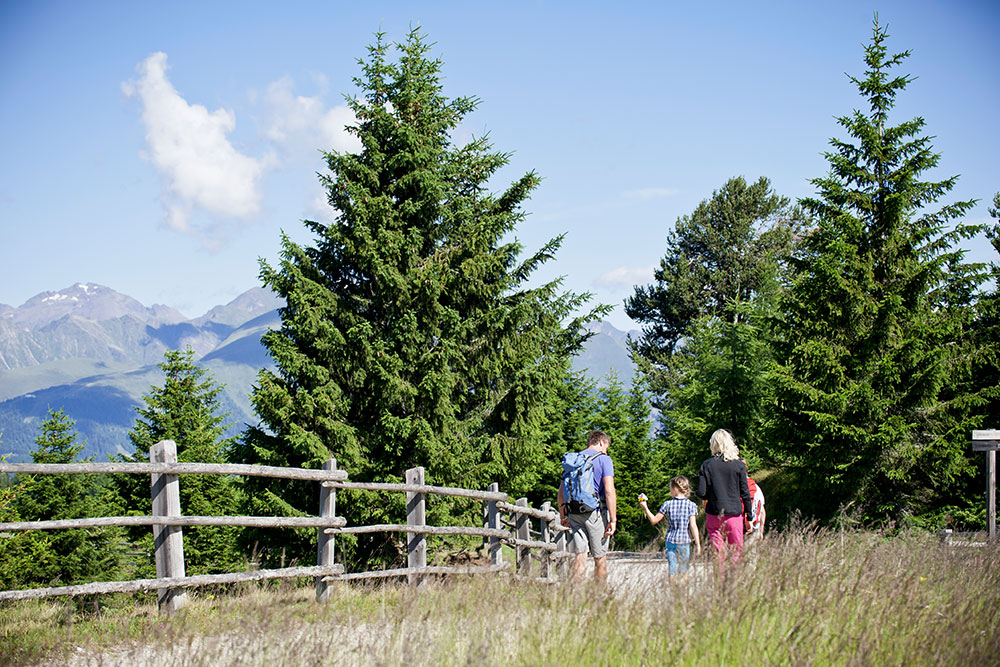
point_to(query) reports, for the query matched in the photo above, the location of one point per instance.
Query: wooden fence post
(493, 521)
(523, 527)
(546, 537)
(324, 543)
(168, 541)
(562, 565)
(416, 515)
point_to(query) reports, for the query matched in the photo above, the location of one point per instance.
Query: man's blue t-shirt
(603, 467)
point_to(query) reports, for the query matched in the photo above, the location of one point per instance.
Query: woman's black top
(724, 485)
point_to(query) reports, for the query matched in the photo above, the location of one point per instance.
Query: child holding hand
(682, 529)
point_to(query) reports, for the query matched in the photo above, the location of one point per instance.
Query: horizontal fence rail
(167, 521)
(548, 515)
(174, 469)
(429, 569)
(427, 530)
(419, 488)
(129, 521)
(137, 585)
(531, 544)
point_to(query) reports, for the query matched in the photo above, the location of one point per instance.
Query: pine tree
(410, 336)
(186, 410)
(24, 554)
(67, 556)
(874, 320)
(728, 252)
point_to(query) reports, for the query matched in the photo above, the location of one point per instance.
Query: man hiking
(588, 504)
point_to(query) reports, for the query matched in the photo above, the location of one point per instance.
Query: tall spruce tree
(70, 556)
(410, 335)
(186, 410)
(874, 328)
(25, 553)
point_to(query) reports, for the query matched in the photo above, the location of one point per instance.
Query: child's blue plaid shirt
(678, 513)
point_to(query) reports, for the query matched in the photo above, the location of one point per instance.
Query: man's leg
(601, 568)
(578, 525)
(579, 566)
(597, 527)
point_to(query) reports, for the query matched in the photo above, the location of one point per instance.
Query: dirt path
(634, 575)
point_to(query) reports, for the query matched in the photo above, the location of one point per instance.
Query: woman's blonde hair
(722, 444)
(682, 484)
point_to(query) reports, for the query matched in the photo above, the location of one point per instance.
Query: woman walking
(723, 484)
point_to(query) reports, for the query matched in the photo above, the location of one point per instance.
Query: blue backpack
(579, 490)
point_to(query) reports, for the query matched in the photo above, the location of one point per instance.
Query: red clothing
(749, 511)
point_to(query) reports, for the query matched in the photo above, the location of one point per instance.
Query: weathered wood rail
(167, 522)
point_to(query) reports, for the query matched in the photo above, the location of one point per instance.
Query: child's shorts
(678, 556)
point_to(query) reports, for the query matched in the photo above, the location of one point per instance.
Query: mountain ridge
(55, 355)
(90, 321)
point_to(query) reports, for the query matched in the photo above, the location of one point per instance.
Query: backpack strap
(601, 501)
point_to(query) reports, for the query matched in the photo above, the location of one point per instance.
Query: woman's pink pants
(722, 529)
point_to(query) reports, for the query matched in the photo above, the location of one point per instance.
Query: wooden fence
(503, 523)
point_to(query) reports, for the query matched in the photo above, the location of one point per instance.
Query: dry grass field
(803, 597)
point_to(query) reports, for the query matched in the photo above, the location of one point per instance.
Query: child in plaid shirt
(681, 526)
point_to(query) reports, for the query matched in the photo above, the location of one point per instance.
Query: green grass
(802, 598)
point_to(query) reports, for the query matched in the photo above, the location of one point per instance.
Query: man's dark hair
(597, 437)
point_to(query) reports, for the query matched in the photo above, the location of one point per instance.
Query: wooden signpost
(989, 441)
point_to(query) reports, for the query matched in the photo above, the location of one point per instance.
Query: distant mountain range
(94, 352)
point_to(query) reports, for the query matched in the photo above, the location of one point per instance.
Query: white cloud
(650, 193)
(319, 208)
(332, 125)
(188, 145)
(625, 277)
(303, 125)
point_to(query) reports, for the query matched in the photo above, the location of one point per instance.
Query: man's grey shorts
(588, 531)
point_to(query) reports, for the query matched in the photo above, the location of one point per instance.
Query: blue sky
(160, 148)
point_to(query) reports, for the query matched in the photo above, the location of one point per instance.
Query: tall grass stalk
(803, 597)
